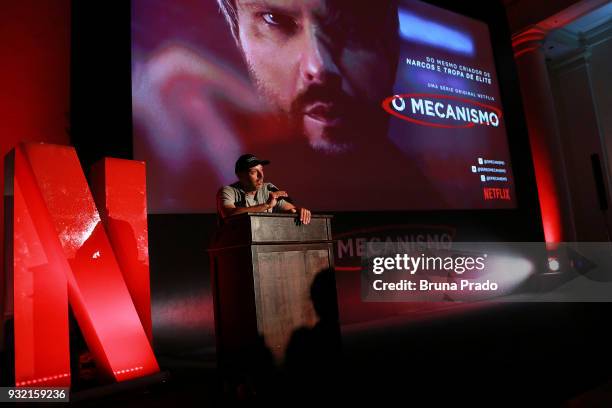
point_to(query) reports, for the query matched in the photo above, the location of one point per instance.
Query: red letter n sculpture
(66, 252)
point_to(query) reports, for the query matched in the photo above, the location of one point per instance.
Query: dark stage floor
(527, 354)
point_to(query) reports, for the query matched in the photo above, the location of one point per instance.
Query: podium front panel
(263, 267)
(282, 281)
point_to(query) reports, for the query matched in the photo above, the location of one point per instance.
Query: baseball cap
(246, 161)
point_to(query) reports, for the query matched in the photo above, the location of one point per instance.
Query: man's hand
(274, 196)
(305, 215)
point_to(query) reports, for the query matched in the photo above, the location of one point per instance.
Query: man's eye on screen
(279, 21)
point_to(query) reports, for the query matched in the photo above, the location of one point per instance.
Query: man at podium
(251, 194)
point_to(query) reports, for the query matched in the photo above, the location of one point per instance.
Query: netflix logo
(491, 193)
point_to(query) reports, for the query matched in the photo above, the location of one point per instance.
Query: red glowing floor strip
(348, 268)
(44, 380)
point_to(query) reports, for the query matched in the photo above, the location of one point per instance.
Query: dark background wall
(100, 81)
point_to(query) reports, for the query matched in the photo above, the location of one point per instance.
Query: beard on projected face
(329, 119)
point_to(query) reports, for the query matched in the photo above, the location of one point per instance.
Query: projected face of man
(325, 65)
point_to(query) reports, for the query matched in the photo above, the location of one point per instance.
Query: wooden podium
(262, 268)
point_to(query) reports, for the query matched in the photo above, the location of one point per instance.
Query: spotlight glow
(553, 264)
